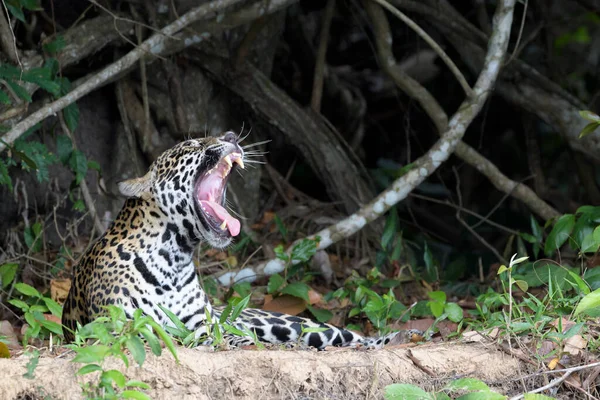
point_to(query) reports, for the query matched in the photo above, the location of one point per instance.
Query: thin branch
(553, 383)
(153, 45)
(318, 77)
(6, 34)
(468, 154)
(424, 166)
(436, 47)
(482, 218)
(470, 228)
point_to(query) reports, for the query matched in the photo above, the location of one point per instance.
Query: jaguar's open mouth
(210, 193)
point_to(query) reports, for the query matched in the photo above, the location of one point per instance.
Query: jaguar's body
(145, 258)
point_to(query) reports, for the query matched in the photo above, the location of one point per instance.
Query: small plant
(462, 389)
(214, 329)
(111, 336)
(34, 305)
(442, 309)
(300, 254)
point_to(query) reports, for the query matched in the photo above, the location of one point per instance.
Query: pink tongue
(217, 210)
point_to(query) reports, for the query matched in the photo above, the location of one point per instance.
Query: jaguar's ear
(137, 187)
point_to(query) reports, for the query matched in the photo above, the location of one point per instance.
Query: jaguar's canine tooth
(239, 162)
(223, 226)
(227, 160)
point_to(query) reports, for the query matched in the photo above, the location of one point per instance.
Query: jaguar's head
(189, 184)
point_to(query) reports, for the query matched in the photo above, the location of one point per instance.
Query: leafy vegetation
(537, 278)
(110, 337)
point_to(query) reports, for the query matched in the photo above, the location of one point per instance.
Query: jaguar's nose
(230, 137)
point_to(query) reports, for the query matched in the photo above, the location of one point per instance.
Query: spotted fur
(145, 257)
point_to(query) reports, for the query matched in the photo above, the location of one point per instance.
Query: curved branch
(153, 45)
(436, 47)
(425, 166)
(468, 154)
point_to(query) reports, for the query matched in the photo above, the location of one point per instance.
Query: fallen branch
(414, 89)
(424, 166)
(153, 45)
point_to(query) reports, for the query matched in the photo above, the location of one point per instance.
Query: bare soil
(275, 374)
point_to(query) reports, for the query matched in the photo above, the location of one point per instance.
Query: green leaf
(454, 311)
(70, 112)
(280, 253)
(27, 290)
(589, 302)
(79, 205)
(521, 284)
(17, 12)
(53, 306)
(403, 391)
(139, 384)
(589, 116)
(437, 296)
(78, 164)
(64, 148)
(596, 235)
(589, 128)
(91, 354)
(226, 312)
(19, 90)
(559, 234)
(320, 314)
(7, 274)
(4, 176)
(536, 229)
(19, 304)
(430, 265)
(281, 227)
(152, 340)
(88, 369)
(243, 288)
(239, 307)
(134, 394)
(4, 98)
(173, 318)
(297, 289)
(389, 231)
(71, 115)
(32, 236)
(52, 326)
(113, 375)
(437, 309)
(32, 5)
(55, 45)
(467, 384)
(136, 347)
(275, 282)
(94, 165)
(165, 338)
(304, 250)
(589, 244)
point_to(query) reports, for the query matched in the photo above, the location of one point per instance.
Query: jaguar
(144, 259)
